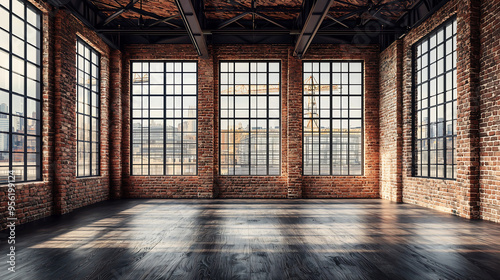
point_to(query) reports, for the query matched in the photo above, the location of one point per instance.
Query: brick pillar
(391, 122)
(206, 115)
(64, 118)
(468, 51)
(294, 123)
(115, 132)
(399, 128)
(126, 146)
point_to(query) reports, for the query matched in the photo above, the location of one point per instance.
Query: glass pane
(327, 118)
(88, 107)
(168, 138)
(436, 115)
(249, 117)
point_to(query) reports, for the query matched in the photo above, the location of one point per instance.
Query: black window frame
(90, 115)
(416, 166)
(250, 118)
(165, 118)
(38, 82)
(332, 118)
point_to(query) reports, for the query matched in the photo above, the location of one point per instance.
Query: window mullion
(11, 111)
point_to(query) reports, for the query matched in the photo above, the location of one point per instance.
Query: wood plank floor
(255, 239)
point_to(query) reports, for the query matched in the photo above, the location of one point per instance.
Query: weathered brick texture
(490, 110)
(366, 186)
(60, 191)
(387, 128)
(291, 183)
(115, 122)
(71, 192)
(460, 196)
(391, 122)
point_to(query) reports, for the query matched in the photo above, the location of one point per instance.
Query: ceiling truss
(251, 21)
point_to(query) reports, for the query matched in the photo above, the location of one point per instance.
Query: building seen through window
(250, 129)
(333, 118)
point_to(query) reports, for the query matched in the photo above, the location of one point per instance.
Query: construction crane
(140, 78)
(312, 87)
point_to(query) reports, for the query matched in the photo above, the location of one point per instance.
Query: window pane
(250, 118)
(19, 84)
(333, 119)
(88, 110)
(435, 118)
(164, 118)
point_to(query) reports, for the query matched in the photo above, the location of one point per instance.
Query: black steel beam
(193, 27)
(266, 18)
(239, 32)
(234, 19)
(414, 17)
(337, 21)
(87, 13)
(119, 12)
(316, 15)
(165, 20)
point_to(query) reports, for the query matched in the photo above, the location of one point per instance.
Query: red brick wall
(71, 192)
(115, 123)
(490, 110)
(253, 186)
(391, 122)
(458, 196)
(291, 183)
(34, 200)
(366, 186)
(387, 173)
(60, 191)
(172, 186)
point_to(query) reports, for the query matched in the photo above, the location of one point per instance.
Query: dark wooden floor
(255, 239)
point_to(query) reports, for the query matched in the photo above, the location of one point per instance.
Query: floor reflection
(256, 239)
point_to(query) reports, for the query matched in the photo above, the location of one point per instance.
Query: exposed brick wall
(290, 183)
(490, 110)
(253, 186)
(59, 191)
(294, 112)
(459, 197)
(388, 123)
(71, 192)
(366, 186)
(172, 186)
(391, 122)
(115, 123)
(34, 200)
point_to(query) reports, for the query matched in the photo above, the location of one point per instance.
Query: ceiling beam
(234, 19)
(268, 32)
(316, 15)
(337, 21)
(87, 13)
(193, 26)
(119, 12)
(165, 20)
(266, 18)
(145, 13)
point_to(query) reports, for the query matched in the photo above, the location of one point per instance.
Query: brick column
(391, 122)
(294, 131)
(468, 51)
(64, 115)
(206, 113)
(115, 132)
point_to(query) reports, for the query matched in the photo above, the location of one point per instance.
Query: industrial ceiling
(296, 22)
